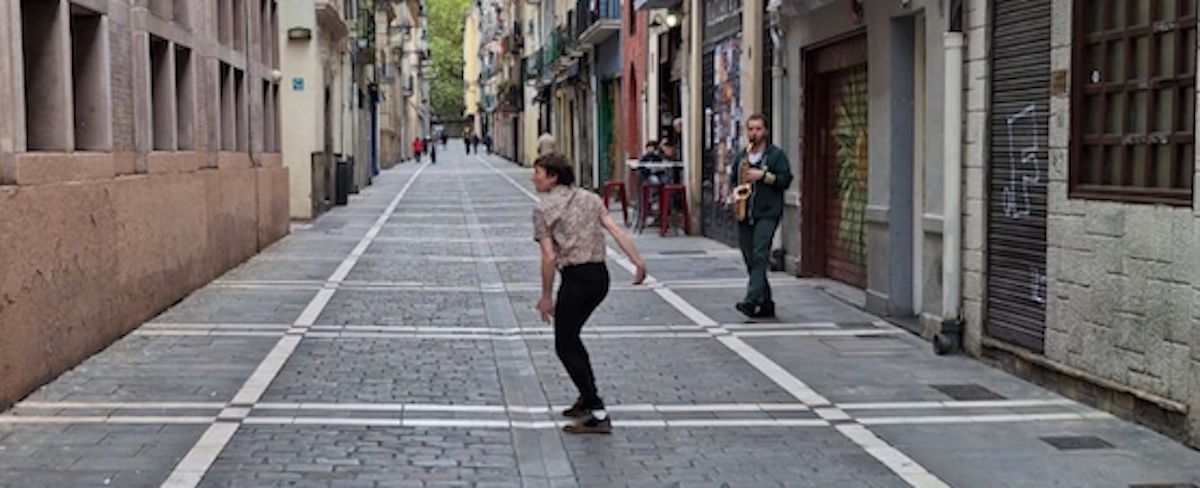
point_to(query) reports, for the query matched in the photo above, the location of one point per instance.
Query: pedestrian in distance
(418, 146)
(433, 152)
(763, 173)
(568, 225)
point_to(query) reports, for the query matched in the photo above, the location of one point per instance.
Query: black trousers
(583, 287)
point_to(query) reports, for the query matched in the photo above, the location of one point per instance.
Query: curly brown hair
(557, 165)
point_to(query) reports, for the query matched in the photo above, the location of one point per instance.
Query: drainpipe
(950, 337)
(777, 73)
(695, 120)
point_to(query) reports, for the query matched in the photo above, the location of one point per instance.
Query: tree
(445, 22)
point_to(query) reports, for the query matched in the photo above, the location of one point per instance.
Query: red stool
(664, 206)
(644, 204)
(618, 185)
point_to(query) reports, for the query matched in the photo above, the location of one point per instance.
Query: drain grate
(967, 392)
(1077, 443)
(683, 252)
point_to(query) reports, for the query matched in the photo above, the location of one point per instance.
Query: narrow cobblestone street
(393, 342)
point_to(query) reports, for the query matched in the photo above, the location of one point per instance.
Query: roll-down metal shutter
(1017, 166)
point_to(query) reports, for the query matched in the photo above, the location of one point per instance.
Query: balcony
(597, 20)
(656, 4)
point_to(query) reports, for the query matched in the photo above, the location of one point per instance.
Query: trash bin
(343, 181)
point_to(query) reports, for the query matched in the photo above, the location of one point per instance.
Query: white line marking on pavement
(984, 419)
(101, 419)
(166, 325)
(189, 471)
(125, 405)
(956, 404)
(889, 456)
(223, 333)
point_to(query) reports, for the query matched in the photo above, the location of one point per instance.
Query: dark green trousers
(755, 241)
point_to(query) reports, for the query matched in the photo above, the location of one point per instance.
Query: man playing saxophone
(763, 175)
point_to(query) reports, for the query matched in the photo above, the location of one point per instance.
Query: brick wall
(633, 78)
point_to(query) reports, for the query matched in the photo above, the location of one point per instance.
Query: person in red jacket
(418, 148)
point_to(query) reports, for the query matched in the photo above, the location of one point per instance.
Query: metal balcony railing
(591, 11)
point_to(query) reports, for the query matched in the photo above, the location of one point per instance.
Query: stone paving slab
(667, 371)
(214, 305)
(310, 244)
(815, 457)
(91, 455)
(793, 305)
(161, 369)
(403, 307)
(1013, 455)
(389, 371)
(433, 273)
(530, 271)
(619, 308)
(416, 249)
(431, 232)
(898, 368)
(272, 267)
(365, 456)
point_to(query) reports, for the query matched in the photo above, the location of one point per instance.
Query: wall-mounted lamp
(671, 20)
(299, 33)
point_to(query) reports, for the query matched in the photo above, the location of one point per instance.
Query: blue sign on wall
(298, 84)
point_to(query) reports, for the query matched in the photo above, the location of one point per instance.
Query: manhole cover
(1166, 485)
(967, 392)
(1077, 443)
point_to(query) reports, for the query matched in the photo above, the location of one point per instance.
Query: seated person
(652, 155)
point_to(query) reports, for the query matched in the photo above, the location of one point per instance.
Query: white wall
(302, 112)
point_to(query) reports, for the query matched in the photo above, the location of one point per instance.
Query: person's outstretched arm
(627, 246)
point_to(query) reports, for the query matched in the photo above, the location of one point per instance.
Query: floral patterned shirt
(572, 218)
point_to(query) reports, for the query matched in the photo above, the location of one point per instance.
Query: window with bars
(1134, 100)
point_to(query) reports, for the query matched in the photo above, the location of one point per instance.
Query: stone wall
(975, 154)
(1122, 278)
(97, 242)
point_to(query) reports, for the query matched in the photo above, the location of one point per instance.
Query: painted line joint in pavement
(191, 469)
(891, 457)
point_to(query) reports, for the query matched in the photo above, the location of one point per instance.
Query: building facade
(1082, 221)
(139, 159)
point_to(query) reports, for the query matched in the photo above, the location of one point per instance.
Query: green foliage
(445, 22)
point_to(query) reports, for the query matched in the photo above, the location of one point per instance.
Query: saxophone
(741, 193)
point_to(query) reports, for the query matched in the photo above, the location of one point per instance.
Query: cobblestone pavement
(393, 342)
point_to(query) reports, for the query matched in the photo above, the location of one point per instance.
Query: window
(228, 109)
(632, 18)
(185, 96)
(242, 112)
(162, 94)
(89, 79)
(45, 52)
(1134, 100)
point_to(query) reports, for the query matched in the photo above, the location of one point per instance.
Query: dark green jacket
(766, 201)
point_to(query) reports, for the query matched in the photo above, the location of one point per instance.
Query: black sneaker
(589, 425)
(765, 311)
(746, 308)
(576, 411)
